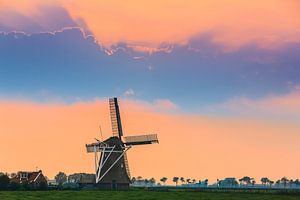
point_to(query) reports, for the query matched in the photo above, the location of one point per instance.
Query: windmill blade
(141, 139)
(115, 117)
(127, 165)
(101, 132)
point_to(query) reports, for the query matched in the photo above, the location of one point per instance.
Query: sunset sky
(218, 81)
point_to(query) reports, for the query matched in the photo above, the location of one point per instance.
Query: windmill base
(113, 186)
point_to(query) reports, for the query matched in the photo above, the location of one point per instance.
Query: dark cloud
(69, 64)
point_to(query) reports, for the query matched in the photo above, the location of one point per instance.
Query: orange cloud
(53, 137)
(287, 104)
(146, 24)
(233, 23)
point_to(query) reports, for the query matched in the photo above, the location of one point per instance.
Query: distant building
(87, 179)
(228, 182)
(33, 179)
(52, 182)
(82, 179)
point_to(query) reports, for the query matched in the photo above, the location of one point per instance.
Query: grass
(142, 195)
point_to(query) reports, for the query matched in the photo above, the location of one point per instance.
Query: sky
(217, 80)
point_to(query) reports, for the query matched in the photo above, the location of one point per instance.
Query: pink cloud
(157, 105)
(165, 104)
(234, 23)
(286, 104)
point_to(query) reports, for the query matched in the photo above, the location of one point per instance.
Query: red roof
(30, 176)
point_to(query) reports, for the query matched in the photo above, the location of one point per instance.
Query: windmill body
(111, 164)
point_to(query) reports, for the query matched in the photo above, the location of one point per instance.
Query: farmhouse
(33, 179)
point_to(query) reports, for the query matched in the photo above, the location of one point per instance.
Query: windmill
(111, 164)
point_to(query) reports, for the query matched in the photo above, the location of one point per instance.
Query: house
(82, 179)
(35, 180)
(228, 182)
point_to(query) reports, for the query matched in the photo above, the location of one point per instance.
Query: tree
(277, 183)
(253, 181)
(139, 179)
(271, 183)
(164, 179)
(182, 180)
(4, 182)
(194, 181)
(12, 175)
(152, 181)
(284, 181)
(264, 180)
(206, 182)
(291, 182)
(146, 181)
(246, 180)
(133, 180)
(188, 180)
(60, 178)
(175, 180)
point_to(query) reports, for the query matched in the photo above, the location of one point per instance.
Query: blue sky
(70, 66)
(53, 55)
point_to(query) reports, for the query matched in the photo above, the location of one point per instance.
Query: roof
(34, 175)
(30, 176)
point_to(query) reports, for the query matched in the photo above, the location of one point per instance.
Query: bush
(25, 185)
(4, 182)
(43, 186)
(14, 186)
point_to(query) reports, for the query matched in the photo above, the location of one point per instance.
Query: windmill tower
(111, 165)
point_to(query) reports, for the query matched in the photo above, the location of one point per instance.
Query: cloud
(165, 104)
(147, 25)
(68, 63)
(129, 92)
(283, 107)
(157, 105)
(45, 18)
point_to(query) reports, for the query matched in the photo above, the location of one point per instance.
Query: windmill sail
(115, 118)
(117, 126)
(127, 165)
(141, 139)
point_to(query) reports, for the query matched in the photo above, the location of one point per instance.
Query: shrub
(43, 186)
(4, 182)
(14, 186)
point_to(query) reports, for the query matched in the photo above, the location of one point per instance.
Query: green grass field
(142, 194)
